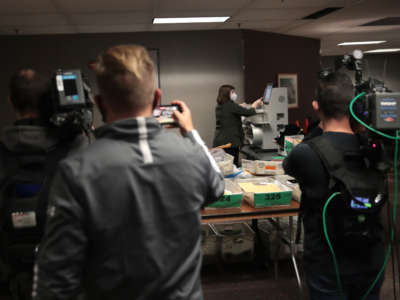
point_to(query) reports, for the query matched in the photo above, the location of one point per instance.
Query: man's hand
(183, 117)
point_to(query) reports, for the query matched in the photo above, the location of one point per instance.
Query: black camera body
(377, 108)
(69, 103)
(384, 110)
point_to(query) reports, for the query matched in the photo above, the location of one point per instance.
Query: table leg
(259, 249)
(292, 254)
(254, 225)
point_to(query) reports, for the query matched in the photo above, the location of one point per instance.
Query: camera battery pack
(386, 110)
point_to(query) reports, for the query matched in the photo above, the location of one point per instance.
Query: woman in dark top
(229, 124)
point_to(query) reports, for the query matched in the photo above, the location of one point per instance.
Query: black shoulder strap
(332, 159)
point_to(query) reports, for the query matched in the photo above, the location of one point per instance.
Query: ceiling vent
(322, 13)
(384, 22)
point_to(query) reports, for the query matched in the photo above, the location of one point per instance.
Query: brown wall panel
(268, 54)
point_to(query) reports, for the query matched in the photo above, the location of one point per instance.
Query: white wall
(192, 64)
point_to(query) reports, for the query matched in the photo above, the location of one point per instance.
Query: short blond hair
(126, 78)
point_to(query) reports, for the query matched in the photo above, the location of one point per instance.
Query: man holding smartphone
(124, 220)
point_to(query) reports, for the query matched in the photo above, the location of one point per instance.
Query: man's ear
(315, 105)
(157, 98)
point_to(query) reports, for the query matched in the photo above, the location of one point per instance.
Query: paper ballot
(251, 187)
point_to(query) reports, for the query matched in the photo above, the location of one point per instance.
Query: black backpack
(23, 202)
(353, 216)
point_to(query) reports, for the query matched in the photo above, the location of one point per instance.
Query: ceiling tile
(69, 6)
(25, 7)
(32, 20)
(281, 16)
(301, 3)
(273, 14)
(112, 28)
(179, 27)
(197, 13)
(193, 5)
(391, 34)
(271, 24)
(24, 30)
(290, 25)
(100, 19)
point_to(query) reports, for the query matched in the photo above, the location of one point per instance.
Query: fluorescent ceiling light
(361, 43)
(190, 20)
(383, 50)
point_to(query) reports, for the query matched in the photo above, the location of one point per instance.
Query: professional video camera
(377, 108)
(69, 103)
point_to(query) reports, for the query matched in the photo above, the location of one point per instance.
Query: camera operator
(29, 152)
(124, 219)
(357, 270)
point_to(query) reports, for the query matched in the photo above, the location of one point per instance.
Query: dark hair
(27, 89)
(224, 93)
(334, 93)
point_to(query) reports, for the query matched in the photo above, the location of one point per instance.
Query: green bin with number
(232, 197)
(266, 199)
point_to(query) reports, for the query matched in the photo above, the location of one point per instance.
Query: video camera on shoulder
(379, 108)
(69, 103)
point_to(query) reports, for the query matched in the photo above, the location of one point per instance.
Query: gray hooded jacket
(26, 139)
(124, 221)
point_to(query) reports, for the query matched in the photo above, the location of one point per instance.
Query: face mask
(234, 97)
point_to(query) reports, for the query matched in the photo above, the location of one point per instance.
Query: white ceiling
(280, 16)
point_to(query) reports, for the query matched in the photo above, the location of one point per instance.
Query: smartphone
(165, 113)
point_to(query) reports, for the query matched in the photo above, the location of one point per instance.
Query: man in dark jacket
(27, 147)
(357, 270)
(124, 221)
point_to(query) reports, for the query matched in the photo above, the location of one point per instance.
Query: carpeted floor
(249, 281)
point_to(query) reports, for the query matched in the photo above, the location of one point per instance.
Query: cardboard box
(223, 160)
(269, 167)
(263, 167)
(232, 197)
(265, 192)
(236, 242)
(249, 165)
(287, 180)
